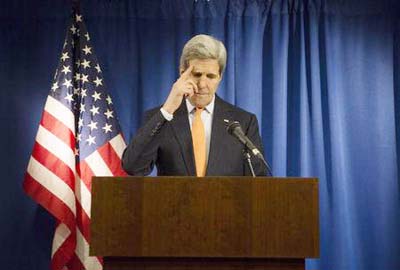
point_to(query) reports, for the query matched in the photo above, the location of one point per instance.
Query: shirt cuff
(166, 114)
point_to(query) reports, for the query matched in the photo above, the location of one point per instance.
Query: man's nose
(202, 82)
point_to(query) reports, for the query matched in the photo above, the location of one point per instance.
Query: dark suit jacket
(168, 144)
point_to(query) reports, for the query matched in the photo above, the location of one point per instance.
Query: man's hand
(183, 87)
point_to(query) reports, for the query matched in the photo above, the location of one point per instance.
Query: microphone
(236, 131)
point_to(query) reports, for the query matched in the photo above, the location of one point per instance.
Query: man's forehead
(205, 65)
(204, 70)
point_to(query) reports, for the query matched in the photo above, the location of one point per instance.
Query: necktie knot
(198, 111)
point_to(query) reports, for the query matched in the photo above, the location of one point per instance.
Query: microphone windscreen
(233, 126)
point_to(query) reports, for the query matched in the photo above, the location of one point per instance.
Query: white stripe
(97, 165)
(56, 146)
(52, 182)
(82, 251)
(61, 234)
(59, 111)
(118, 144)
(83, 195)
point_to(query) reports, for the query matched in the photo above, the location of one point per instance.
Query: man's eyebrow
(207, 73)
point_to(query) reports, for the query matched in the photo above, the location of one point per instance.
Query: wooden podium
(171, 223)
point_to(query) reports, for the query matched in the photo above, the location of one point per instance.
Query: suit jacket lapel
(181, 128)
(218, 134)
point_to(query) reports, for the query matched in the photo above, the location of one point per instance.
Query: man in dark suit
(187, 135)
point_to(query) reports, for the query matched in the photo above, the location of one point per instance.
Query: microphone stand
(236, 131)
(248, 159)
(266, 165)
(247, 156)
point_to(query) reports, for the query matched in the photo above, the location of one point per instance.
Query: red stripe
(54, 164)
(86, 174)
(75, 263)
(49, 201)
(82, 218)
(64, 254)
(83, 221)
(65, 173)
(112, 159)
(58, 128)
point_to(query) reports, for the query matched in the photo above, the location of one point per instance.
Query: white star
(87, 50)
(83, 92)
(96, 96)
(55, 86)
(69, 97)
(97, 67)
(64, 56)
(98, 81)
(85, 63)
(107, 128)
(73, 29)
(91, 140)
(76, 91)
(80, 123)
(76, 151)
(65, 44)
(77, 76)
(78, 18)
(87, 36)
(65, 70)
(67, 83)
(94, 110)
(77, 63)
(84, 78)
(92, 125)
(82, 108)
(109, 114)
(79, 137)
(109, 100)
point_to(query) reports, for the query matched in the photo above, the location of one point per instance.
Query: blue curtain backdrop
(323, 77)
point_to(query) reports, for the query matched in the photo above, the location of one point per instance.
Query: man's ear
(181, 70)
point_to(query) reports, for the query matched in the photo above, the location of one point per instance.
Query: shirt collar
(209, 108)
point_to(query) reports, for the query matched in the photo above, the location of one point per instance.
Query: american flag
(78, 137)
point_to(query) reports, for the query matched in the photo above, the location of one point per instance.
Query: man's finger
(188, 92)
(193, 84)
(187, 72)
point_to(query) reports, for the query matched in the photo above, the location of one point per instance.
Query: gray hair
(203, 47)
